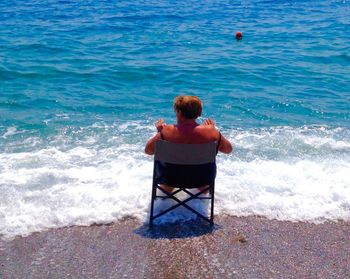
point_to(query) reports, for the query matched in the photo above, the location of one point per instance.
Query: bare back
(190, 133)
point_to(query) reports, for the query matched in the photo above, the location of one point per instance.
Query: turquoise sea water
(82, 82)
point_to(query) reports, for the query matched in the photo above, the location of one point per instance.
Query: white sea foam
(284, 173)
(10, 132)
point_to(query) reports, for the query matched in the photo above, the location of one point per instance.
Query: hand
(159, 125)
(208, 122)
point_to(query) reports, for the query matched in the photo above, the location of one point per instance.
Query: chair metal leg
(183, 203)
(212, 204)
(154, 193)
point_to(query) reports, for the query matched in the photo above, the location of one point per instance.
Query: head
(189, 107)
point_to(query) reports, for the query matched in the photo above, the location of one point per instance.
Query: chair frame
(167, 158)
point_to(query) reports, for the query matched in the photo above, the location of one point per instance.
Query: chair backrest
(184, 165)
(185, 154)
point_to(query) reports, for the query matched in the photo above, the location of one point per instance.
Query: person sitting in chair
(187, 130)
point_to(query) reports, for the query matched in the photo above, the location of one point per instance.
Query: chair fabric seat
(185, 176)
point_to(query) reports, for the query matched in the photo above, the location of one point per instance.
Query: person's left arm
(149, 148)
(150, 145)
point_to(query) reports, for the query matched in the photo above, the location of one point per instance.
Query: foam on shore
(99, 174)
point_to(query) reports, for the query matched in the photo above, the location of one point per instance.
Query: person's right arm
(225, 146)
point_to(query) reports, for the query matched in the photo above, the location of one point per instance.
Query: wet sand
(237, 247)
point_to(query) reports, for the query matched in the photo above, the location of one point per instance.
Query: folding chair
(184, 167)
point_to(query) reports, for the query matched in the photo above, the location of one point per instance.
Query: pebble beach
(245, 247)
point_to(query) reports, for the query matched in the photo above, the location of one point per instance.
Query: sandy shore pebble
(237, 247)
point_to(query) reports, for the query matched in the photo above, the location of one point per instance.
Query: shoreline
(236, 247)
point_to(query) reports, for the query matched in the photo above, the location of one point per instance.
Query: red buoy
(239, 35)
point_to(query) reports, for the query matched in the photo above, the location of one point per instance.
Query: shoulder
(168, 129)
(208, 131)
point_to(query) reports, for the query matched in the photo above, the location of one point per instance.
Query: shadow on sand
(180, 229)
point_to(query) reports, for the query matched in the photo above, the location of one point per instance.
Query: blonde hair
(189, 106)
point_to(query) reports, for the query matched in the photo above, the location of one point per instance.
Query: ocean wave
(102, 175)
